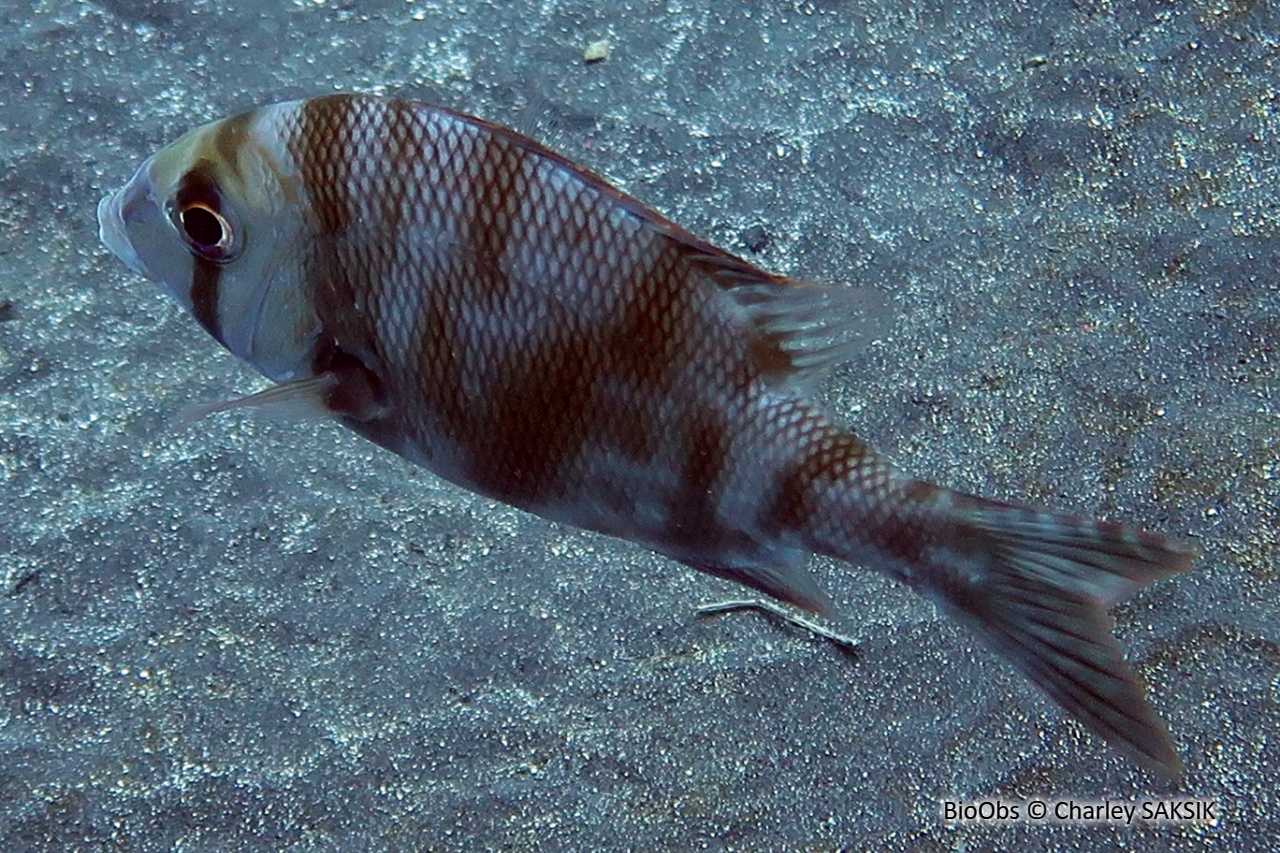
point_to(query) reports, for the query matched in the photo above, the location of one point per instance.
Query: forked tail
(1036, 586)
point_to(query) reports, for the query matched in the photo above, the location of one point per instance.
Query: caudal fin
(1039, 595)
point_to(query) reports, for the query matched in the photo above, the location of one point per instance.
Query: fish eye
(207, 231)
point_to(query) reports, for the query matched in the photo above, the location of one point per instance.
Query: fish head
(215, 219)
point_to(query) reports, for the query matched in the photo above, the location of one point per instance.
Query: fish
(463, 296)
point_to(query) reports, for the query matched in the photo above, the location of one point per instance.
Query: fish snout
(116, 212)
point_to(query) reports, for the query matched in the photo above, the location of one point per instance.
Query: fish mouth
(113, 222)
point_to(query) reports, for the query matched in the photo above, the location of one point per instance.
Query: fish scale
(469, 299)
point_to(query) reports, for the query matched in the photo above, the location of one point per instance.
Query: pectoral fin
(347, 388)
(302, 399)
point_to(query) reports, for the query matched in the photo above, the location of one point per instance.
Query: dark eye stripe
(204, 295)
(197, 187)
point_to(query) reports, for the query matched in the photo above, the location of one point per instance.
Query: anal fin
(793, 584)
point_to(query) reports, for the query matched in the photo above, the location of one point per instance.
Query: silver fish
(465, 297)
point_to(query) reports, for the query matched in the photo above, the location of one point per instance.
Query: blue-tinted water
(261, 636)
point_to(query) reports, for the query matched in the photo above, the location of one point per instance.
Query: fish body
(478, 304)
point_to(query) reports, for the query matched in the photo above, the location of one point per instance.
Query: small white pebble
(597, 51)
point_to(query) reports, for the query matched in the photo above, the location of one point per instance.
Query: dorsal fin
(807, 328)
(801, 328)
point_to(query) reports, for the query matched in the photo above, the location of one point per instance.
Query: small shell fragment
(597, 51)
